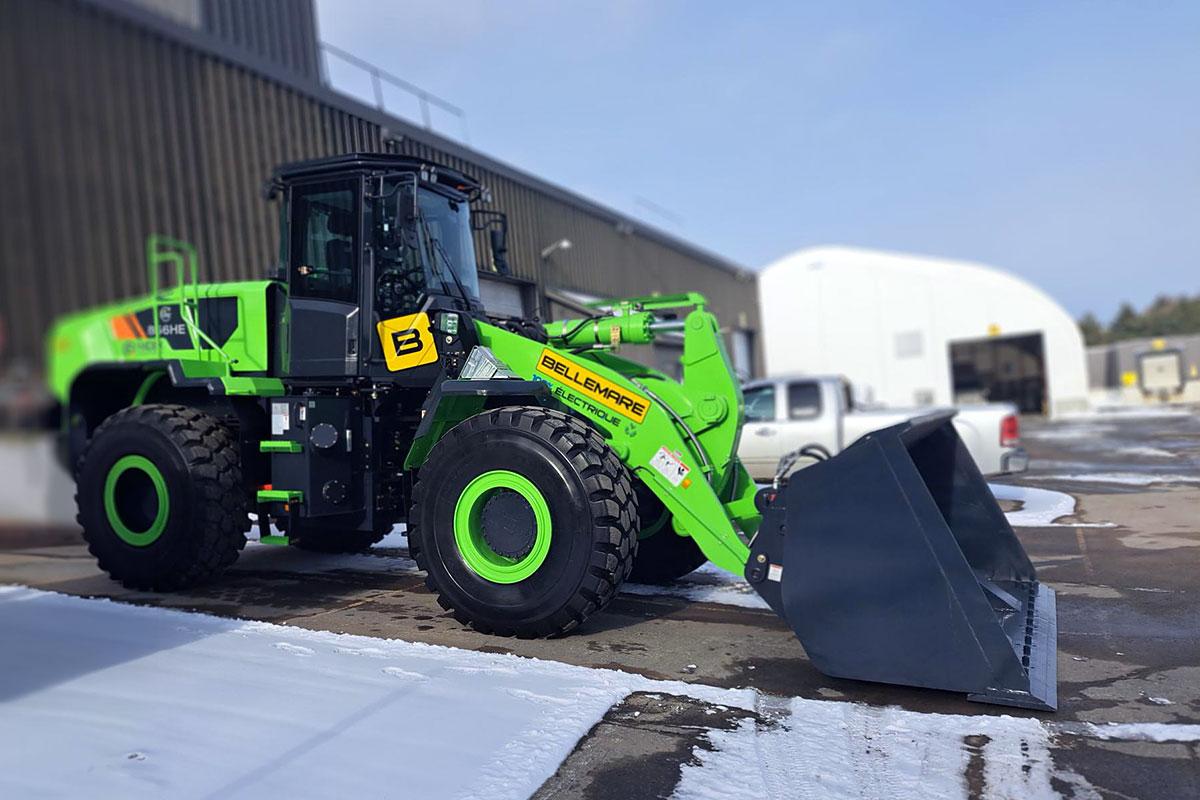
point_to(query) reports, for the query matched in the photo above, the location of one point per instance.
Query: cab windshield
(446, 233)
(429, 252)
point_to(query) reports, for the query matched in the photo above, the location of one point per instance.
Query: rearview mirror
(406, 212)
(498, 238)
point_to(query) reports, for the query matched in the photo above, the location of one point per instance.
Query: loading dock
(1000, 369)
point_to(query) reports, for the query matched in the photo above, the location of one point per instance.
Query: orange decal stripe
(137, 326)
(121, 329)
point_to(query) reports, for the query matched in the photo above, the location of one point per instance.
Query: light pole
(550, 249)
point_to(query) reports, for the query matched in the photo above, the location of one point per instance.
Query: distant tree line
(1166, 316)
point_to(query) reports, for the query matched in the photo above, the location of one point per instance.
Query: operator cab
(372, 247)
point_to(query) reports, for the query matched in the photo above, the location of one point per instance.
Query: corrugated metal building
(1152, 370)
(121, 119)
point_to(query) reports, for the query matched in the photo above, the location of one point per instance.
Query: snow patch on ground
(1040, 507)
(1148, 452)
(1125, 478)
(825, 749)
(1125, 412)
(1145, 732)
(1072, 433)
(381, 558)
(708, 584)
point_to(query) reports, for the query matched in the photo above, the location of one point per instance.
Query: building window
(742, 342)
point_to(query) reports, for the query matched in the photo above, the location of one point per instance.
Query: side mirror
(498, 238)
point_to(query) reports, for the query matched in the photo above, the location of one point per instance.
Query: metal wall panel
(114, 128)
(282, 31)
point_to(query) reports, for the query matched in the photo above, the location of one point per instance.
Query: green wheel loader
(535, 466)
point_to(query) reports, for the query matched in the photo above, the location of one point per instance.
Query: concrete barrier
(34, 489)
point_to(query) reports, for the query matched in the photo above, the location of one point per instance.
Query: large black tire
(334, 540)
(203, 526)
(663, 556)
(592, 510)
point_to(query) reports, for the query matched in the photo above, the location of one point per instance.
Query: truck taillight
(1010, 431)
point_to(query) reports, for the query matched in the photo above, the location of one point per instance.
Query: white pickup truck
(784, 414)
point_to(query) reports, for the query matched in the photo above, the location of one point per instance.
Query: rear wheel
(525, 521)
(663, 555)
(160, 497)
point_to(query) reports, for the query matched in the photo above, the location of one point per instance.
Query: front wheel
(525, 521)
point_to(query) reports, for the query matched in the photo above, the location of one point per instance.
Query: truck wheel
(335, 540)
(663, 555)
(160, 497)
(525, 522)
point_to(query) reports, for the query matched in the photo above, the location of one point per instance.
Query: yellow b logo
(407, 342)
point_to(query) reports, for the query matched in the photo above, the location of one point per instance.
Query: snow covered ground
(1040, 507)
(709, 584)
(114, 701)
(1123, 478)
(836, 750)
(102, 699)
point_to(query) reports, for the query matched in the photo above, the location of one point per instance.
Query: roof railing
(380, 76)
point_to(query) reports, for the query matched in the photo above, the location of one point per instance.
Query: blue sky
(1060, 141)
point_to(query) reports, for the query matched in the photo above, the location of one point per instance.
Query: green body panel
(280, 446)
(106, 335)
(279, 496)
(697, 421)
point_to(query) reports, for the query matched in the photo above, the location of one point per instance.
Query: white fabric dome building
(911, 330)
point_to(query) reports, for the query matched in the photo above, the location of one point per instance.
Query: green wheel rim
(468, 532)
(656, 526)
(112, 505)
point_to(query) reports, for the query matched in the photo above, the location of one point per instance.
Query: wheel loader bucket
(893, 563)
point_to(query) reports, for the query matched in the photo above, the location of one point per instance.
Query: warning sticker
(670, 466)
(280, 419)
(775, 572)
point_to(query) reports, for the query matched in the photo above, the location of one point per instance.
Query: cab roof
(374, 162)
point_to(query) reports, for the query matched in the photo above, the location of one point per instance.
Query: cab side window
(324, 241)
(804, 400)
(760, 403)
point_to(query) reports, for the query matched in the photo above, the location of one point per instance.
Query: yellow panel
(407, 342)
(597, 387)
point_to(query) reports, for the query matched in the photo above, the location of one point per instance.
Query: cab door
(324, 271)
